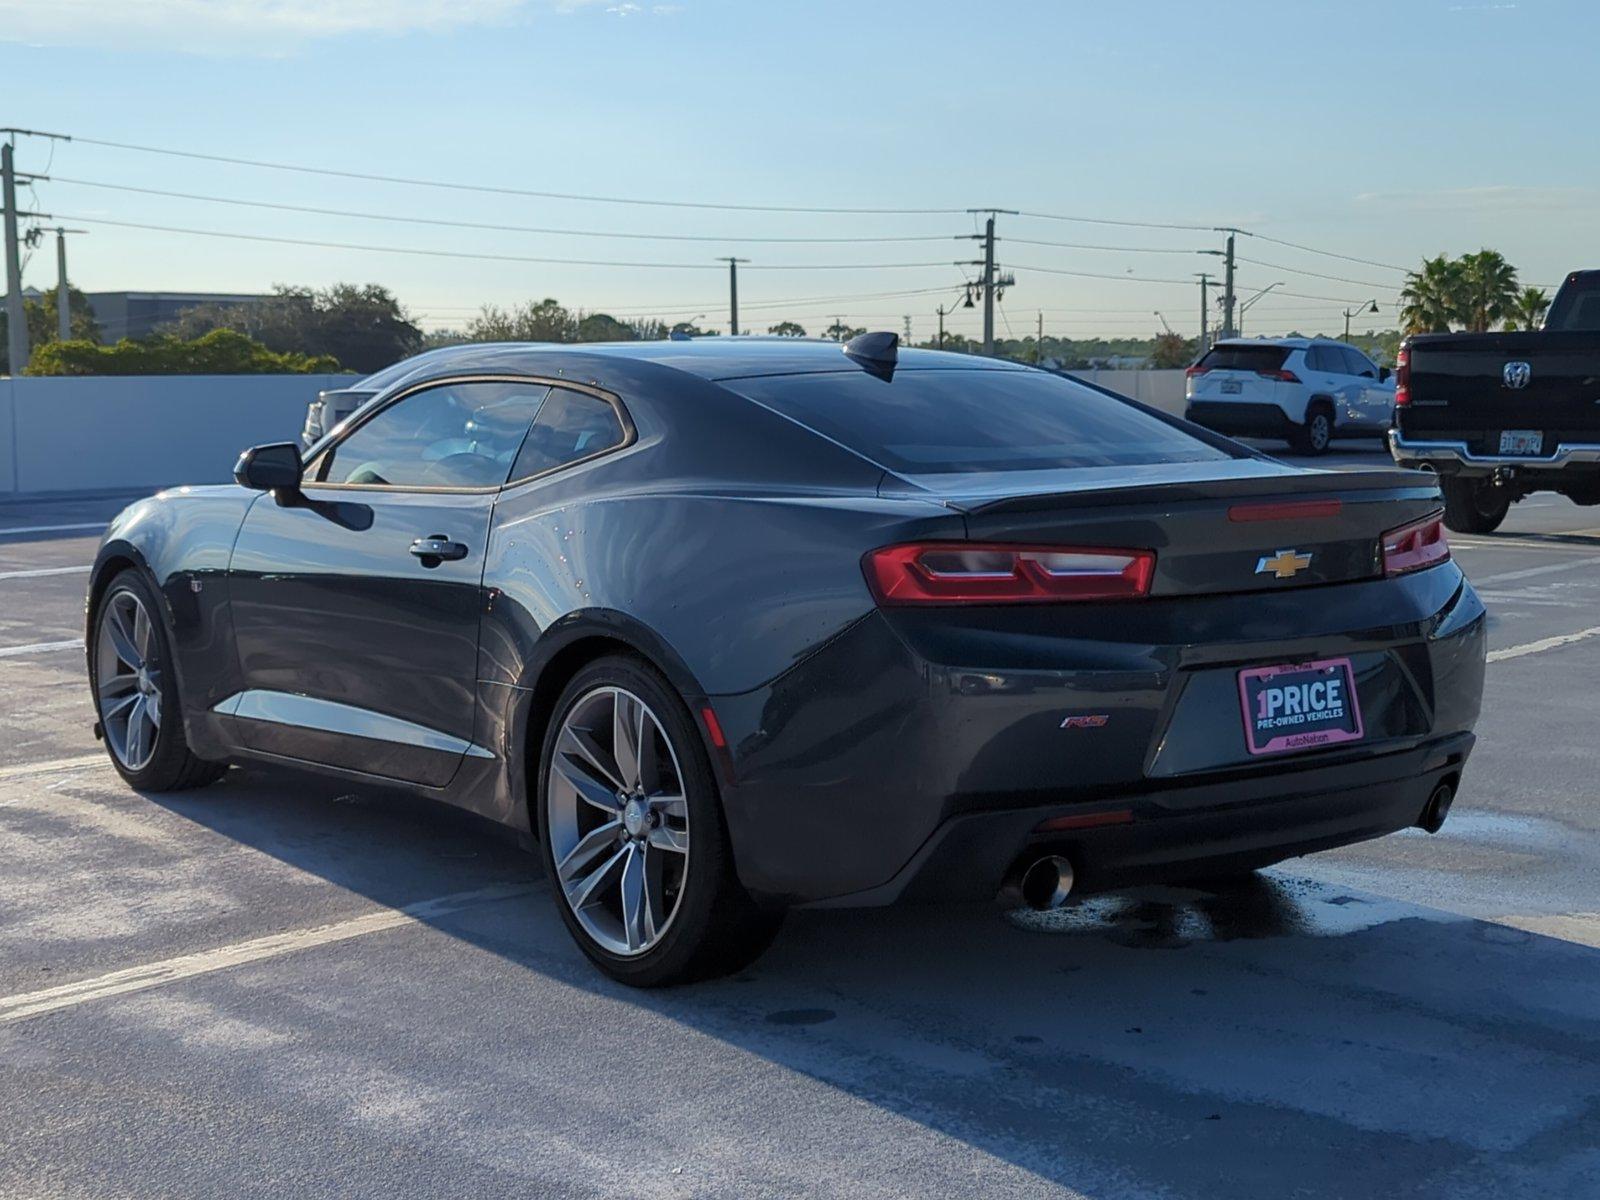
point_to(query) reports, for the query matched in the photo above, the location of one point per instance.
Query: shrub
(220, 352)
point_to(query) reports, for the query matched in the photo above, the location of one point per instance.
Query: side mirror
(270, 468)
(1384, 374)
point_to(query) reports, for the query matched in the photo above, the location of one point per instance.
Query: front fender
(182, 541)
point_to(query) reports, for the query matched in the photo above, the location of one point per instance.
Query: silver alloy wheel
(618, 820)
(128, 680)
(1321, 431)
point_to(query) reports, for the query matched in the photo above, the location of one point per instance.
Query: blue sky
(1383, 131)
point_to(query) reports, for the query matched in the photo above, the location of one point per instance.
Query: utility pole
(63, 302)
(1038, 341)
(989, 283)
(733, 293)
(1228, 297)
(907, 320)
(16, 316)
(941, 311)
(1205, 311)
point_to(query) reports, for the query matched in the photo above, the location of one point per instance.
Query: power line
(490, 226)
(1044, 216)
(1386, 287)
(451, 185)
(469, 254)
(1369, 262)
(1088, 246)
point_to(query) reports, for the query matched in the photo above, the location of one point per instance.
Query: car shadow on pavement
(1272, 1037)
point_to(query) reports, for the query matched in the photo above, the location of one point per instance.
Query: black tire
(717, 927)
(1473, 505)
(1316, 435)
(171, 767)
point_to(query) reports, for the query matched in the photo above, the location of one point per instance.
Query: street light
(1244, 305)
(1371, 306)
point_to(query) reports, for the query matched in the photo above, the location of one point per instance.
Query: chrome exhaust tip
(1044, 884)
(1438, 807)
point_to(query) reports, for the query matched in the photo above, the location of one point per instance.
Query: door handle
(437, 549)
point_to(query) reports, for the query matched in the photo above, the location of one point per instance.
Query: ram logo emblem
(1515, 375)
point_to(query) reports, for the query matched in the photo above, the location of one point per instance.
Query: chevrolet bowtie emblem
(1285, 564)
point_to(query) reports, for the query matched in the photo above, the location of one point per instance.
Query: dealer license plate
(1299, 706)
(1521, 441)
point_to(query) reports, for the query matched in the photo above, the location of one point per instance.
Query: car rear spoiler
(1405, 484)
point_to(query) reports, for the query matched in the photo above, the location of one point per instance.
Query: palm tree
(1428, 300)
(1488, 292)
(1527, 311)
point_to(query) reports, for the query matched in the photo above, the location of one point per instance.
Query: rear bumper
(1458, 457)
(1182, 834)
(1240, 419)
(914, 756)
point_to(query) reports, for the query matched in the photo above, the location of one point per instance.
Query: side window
(571, 426)
(1320, 357)
(459, 435)
(1358, 362)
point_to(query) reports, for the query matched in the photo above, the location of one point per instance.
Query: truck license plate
(1521, 441)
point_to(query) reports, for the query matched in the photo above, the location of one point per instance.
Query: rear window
(933, 422)
(1244, 358)
(1577, 307)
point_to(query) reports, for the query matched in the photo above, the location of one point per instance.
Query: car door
(1330, 376)
(1377, 397)
(356, 605)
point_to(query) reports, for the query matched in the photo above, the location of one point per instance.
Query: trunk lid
(1250, 525)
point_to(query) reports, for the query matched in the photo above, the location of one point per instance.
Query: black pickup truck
(1502, 415)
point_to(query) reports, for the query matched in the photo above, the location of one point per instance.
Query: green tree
(840, 332)
(1172, 350)
(787, 329)
(546, 321)
(220, 352)
(43, 325)
(1488, 290)
(1428, 302)
(361, 325)
(690, 328)
(603, 327)
(1527, 311)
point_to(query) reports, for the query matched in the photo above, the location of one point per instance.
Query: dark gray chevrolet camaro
(731, 625)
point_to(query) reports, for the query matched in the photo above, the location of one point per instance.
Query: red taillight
(1414, 546)
(1283, 376)
(968, 573)
(1195, 370)
(1289, 510)
(1402, 378)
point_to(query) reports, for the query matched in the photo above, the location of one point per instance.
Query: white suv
(1307, 391)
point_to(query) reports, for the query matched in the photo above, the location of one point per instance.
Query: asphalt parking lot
(282, 986)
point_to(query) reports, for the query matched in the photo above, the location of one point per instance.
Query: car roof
(710, 358)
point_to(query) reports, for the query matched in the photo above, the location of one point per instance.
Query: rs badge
(1285, 564)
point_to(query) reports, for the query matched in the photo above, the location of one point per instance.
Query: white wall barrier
(127, 432)
(1158, 389)
(122, 433)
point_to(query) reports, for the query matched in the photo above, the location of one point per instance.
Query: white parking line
(40, 572)
(187, 966)
(23, 770)
(1549, 643)
(93, 526)
(40, 648)
(1531, 572)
